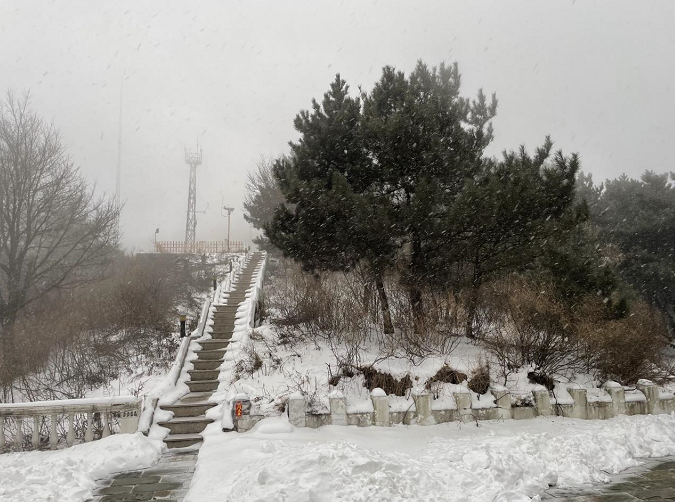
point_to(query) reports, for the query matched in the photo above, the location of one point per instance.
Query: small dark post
(215, 283)
(183, 317)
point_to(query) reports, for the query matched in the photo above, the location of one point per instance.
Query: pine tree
(425, 140)
(638, 216)
(332, 220)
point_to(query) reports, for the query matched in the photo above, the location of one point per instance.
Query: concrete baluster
(53, 434)
(580, 397)
(106, 424)
(89, 433)
(18, 438)
(503, 400)
(35, 439)
(2, 432)
(651, 392)
(296, 409)
(542, 402)
(338, 408)
(380, 407)
(70, 437)
(422, 400)
(618, 395)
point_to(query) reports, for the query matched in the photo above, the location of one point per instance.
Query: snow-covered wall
(577, 402)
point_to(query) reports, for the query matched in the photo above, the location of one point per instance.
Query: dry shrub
(315, 307)
(447, 375)
(530, 326)
(627, 349)
(437, 333)
(480, 380)
(386, 382)
(79, 339)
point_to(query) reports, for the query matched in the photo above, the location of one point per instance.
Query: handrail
(175, 371)
(126, 409)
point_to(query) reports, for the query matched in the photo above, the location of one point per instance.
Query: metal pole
(229, 213)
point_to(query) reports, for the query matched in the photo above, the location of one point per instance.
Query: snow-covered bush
(625, 349)
(530, 327)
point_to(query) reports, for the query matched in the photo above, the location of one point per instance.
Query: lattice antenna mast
(118, 183)
(193, 159)
(118, 180)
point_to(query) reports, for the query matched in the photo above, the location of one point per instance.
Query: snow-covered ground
(69, 475)
(497, 461)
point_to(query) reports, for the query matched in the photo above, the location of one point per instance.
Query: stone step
(222, 327)
(186, 425)
(202, 385)
(210, 355)
(204, 374)
(188, 409)
(213, 344)
(207, 364)
(182, 440)
(223, 331)
(222, 335)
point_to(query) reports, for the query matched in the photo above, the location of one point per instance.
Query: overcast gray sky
(596, 75)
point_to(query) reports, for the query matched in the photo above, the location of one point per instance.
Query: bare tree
(54, 232)
(263, 196)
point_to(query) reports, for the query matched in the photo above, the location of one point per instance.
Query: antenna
(193, 159)
(118, 184)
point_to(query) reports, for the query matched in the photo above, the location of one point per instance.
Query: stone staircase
(189, 412)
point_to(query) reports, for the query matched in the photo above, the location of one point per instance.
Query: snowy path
(505, 461)
(167, 480)
(70, 475)
(655, 480)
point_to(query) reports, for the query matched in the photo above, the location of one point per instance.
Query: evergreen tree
(638, 216)
(504, 217)
(332, 220)
(425, 140)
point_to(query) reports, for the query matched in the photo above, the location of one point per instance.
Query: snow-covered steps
(217, 344)
(189, 409)
(189, 418)
(208, 374)
(207, 364)
(182, 440)
(211, 355)
(186, 425)
(202, 385)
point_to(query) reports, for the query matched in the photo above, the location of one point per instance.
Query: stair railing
(47, 423)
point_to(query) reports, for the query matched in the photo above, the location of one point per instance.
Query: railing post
(89, 433)
(70, 437)
(2, 432)
(35, 440)
(380, 407)
(53, 435)
(106, 427)
(18, 439)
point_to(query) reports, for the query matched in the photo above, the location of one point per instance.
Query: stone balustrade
(52, 422)
(422, 409)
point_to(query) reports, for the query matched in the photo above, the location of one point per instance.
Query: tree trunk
(415, 296)
(472, 306)
(384, 305)
(367, 296)
(414, 292)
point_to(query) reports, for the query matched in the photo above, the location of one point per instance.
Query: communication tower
(193, 159)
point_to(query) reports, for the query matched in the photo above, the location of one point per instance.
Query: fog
(596, 75)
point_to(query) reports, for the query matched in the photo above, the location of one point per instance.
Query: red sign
(238, 410)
